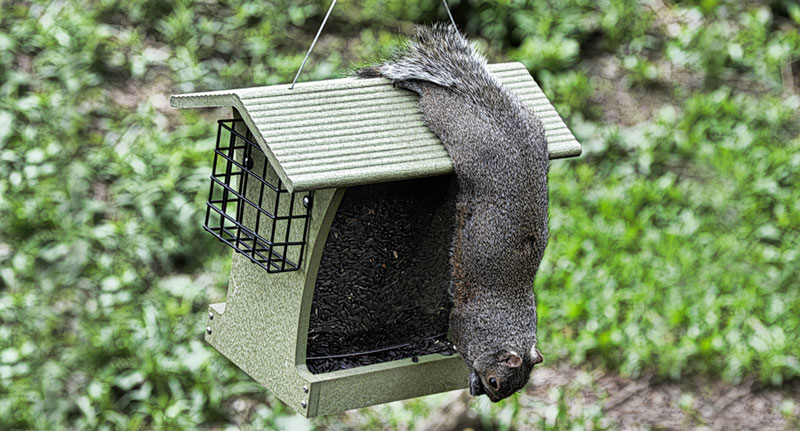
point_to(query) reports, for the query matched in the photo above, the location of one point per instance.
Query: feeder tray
(338, 203)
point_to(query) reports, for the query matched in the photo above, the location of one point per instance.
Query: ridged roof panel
(351, 131)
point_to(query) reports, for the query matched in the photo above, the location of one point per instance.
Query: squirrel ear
(536, 356)
(513, 360)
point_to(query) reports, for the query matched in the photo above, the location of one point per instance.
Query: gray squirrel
(500, 158)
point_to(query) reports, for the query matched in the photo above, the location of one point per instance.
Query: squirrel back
(500, 159)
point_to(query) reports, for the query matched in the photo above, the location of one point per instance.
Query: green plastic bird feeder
(338, 189)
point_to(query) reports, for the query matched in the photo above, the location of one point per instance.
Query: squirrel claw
(444, 347)
(475, 384)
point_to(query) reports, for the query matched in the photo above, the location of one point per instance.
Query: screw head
(303, 404)
(248, 162)
(208, 330)
(305, 389)
(307, 201)
(210, 316)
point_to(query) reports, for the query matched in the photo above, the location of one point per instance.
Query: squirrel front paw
(443, 347)
(475, 384)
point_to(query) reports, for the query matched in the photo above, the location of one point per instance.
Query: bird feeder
(338, 203)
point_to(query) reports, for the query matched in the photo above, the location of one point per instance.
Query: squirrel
(501, 161)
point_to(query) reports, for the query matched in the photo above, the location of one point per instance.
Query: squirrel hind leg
(369, 72)
(409, 84)
(375, 72)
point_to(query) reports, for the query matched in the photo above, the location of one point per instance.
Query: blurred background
(669, 294)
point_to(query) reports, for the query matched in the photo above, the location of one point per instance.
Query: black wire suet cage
(248, 206)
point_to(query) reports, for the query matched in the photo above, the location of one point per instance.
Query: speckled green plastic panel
(263, 329)
(345, 132)
(259, 325)
(382, 383)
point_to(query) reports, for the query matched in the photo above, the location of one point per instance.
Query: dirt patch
(642, 404)
(623, 104)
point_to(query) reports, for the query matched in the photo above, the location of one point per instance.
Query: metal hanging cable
(447, 8)
(330, 9)
(324, 20)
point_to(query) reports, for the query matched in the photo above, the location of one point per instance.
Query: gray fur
(500, 157)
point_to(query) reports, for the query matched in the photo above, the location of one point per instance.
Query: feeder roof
(351, 131)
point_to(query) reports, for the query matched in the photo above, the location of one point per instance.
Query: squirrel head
(500, 374)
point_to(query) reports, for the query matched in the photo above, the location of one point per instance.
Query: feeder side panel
(258, 330)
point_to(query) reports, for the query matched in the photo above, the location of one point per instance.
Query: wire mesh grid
(248, 207)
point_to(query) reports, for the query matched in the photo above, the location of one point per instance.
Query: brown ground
(645, 405)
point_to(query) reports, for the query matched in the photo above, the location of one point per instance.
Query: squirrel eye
(493, 382)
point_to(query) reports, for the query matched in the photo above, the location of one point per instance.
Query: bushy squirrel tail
(438, 54)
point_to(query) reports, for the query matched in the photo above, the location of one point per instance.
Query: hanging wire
(330, 9)
(324, 20)
(447, 8)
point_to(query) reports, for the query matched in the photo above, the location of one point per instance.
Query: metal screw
(307, 201)
(208, 330)
(248, 162)
(303, 404)
(414, 359)
(305, 389)
(210, 316)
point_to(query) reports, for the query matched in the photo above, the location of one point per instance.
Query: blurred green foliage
(674, 241)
